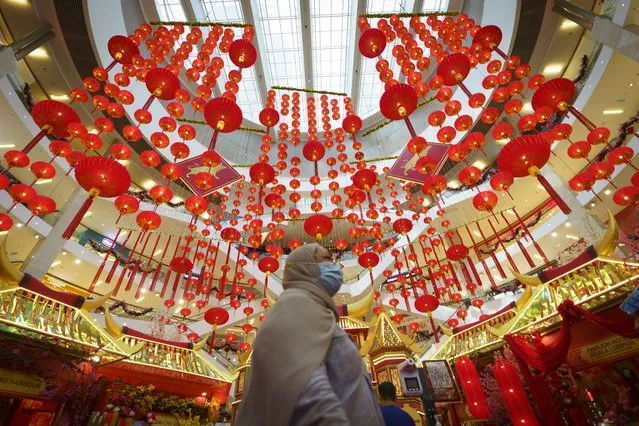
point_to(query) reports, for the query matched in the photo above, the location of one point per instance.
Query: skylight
(170, 10)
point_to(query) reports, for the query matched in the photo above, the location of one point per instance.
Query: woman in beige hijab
(305, 370)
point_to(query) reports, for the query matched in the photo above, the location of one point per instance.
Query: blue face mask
(331, 277)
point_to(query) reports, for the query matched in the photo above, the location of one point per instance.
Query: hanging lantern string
(295, 89)
(204, 123)
(201, 24)
(407, 15)
(387, 122)
(373, 160)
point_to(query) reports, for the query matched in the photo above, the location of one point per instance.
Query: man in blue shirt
(393, 415)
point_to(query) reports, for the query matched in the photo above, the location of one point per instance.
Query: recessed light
(59, 98)
(77, 261)
(40, 52)
(7, 145)
(19, 225)
(567, 24)
(148, 184)
(554, 234)
(567, 224)
(553, 69)
(480, 164)
(607, 192)
(157, 252)
(612, 111)
(43, 181)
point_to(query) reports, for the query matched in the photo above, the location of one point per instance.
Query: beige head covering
(291, 342)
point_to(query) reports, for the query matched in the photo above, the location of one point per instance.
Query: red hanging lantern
(427, 304)
(268, 265)
(626, 196)
(215, 316)
(471, 385)
(457, 252)
(579, 149)
(513, 394)
(372, 43)
(318, 226)
(148, 220)
(5, 222)
(524, 156)
(485, 201)
(469, 175)
(242, 53)
(222, 115)
(126, 204)
(502, 181)
(622, 155)
(53, 118)
(99, 176)
(39, 205)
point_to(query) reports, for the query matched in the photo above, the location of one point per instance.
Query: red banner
(223, 174)
(404, 166)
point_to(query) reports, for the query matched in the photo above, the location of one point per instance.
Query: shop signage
(21, 383)
(604, 350)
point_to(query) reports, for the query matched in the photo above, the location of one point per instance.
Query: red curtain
(549, 357)
(511, 389)
(471, 385)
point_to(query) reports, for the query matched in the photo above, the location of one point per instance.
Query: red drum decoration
(372, 43)
(52, 117)
(99, 176)
(427, 304)
(524, 156)
(471, 385)
(318, 226)
(513, 394)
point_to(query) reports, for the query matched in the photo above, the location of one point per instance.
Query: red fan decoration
(524, 156)
(162, 84)
(122, 49)
(398, 102)
(489, 38)
(222, 115)
(99, 176)
(454, 69)
(52, 117)
(558, 94)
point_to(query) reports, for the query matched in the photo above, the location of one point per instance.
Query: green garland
(373, 160)
(201, 24)
(407, 15)
(204, 123)
(387, 122)
(294, 89)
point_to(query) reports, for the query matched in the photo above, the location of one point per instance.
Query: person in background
(305, 370)
(393, 415)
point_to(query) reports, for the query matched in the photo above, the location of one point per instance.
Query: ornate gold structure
(592, 280)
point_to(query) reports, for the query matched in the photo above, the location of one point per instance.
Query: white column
(47, 249)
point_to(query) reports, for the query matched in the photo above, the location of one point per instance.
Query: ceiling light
(554, 234)
(527, 108)
(607, 192)
(56, 263)
(7, 145)
(96, 358)
(19, 225)
(64, 253)
(4, 232)
(480, 164)
(203, 393)
(43, 181)
(425, 203)
(502, 141)
(60, 98)
(87, 214)
(540, 187)
(40, 52)
(143, 290)
(454, 184)
(612, 111)
(77, 261)
(553, 69)
(148, 184)
(157, 252)
(568, 24)
(572, 237)
(477, 233)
